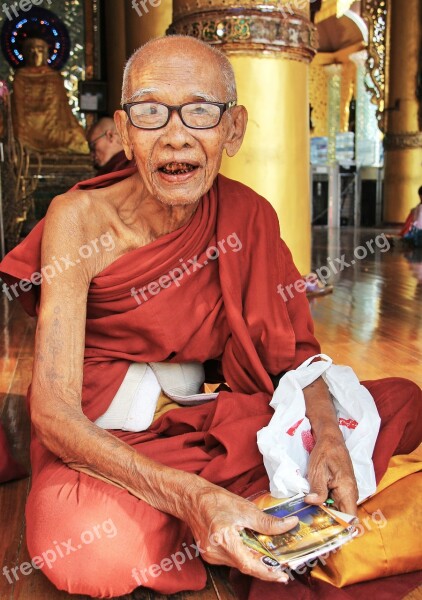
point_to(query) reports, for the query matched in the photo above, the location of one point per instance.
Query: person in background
(412, 229)
(106, 147)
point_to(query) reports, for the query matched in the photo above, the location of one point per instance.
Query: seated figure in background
(42, 116)
(412, 229)
(106, 147)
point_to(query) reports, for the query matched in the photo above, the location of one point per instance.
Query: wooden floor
(372, 322)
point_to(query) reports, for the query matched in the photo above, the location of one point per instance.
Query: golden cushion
(388, 542)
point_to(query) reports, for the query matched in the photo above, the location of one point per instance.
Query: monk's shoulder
(244, 200)
(77, 214)
(71, 207)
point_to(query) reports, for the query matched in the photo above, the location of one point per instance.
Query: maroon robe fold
(118, 162)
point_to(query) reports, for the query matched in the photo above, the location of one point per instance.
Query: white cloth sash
(134, 405)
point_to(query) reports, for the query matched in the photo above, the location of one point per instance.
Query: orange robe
(226, 310)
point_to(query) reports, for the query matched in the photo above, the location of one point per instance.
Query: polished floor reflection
(372, 322)
(373, 319)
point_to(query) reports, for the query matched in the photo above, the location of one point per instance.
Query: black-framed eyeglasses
(93, 143)
(195, 115)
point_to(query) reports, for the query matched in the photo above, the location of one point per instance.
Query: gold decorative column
(334, 73)
(403, 140)
(270, 44)
(368, 136)
(115, 51)
(145, 20)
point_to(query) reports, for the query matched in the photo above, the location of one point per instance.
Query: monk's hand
(330, 470)
(216, 518)
(330, 473)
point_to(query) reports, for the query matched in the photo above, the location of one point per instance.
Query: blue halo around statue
(36, 23)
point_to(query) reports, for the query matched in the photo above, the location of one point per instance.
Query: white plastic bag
(287, 441)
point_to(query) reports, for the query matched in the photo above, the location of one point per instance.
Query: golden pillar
(128, 26)
(270, 44)
(145, 20)
(403, 140)
(115, 27)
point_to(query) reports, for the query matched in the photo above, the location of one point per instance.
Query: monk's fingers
(250, 563)
(254, 519)
(269, 525)
(225, 545)
(219, 534)
(330, 473)
(345, 494)
(318, 477)
(317, 497)
(236, 554)
(342, 484)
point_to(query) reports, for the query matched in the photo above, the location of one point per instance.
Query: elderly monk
(127, 489)
(106, 147)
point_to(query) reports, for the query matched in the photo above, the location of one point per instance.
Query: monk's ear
(121, 121)
(236, 130)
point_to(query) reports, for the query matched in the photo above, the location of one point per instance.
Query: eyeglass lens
(150, 115)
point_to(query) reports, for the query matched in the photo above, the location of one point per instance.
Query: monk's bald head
(102, 125)
(185, 47)
(104, 141)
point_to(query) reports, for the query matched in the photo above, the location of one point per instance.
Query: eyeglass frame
(92, 144)
(223, 106)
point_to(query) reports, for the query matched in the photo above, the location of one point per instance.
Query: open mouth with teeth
(177, 168)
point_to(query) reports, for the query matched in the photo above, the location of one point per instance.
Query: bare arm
(58, 371)
(63, 428)
(330, 467)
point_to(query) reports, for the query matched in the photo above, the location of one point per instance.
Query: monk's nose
(176, 133)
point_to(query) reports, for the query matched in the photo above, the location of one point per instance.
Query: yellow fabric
(389, 541)
(165, 403)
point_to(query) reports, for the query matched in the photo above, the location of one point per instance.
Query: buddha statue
(42, 116)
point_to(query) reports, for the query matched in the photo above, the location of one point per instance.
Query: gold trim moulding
(249, 31)
(374, 13)
(403, 141)
(186, 7)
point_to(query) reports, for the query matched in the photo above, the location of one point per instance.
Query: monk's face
(178, 164)
(103, 143)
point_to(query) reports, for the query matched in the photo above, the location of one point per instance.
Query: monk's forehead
(178, 64)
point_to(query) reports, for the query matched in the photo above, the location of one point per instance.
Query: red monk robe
(228, 310)
(118, 162)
